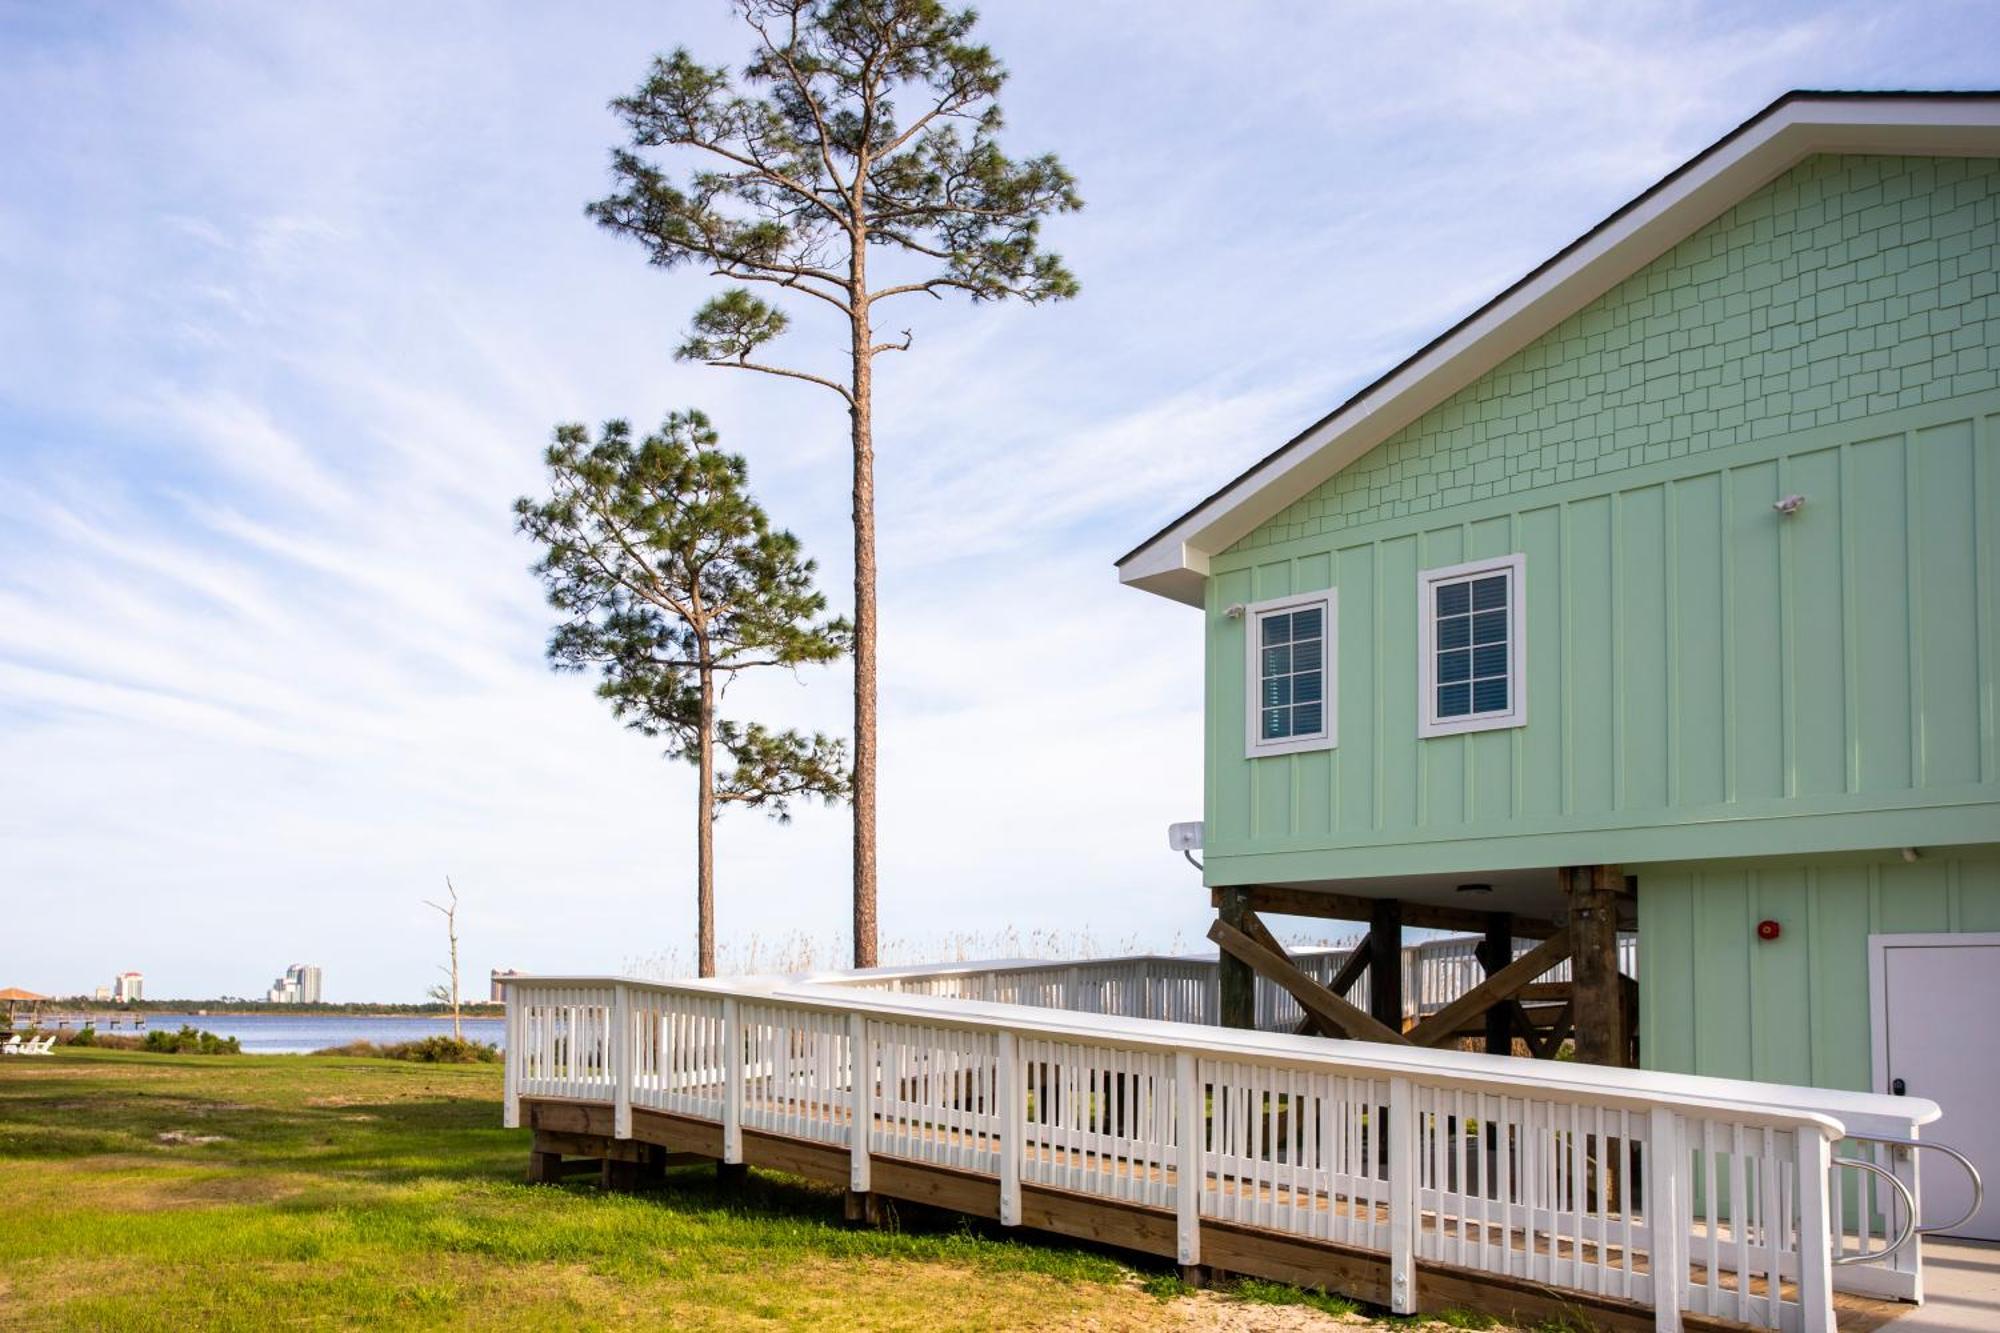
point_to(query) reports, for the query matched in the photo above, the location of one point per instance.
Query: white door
(1938, 1014)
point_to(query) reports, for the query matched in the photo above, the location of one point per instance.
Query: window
(1470, 657)
(1290, 674)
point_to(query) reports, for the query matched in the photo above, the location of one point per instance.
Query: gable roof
(1173, 562)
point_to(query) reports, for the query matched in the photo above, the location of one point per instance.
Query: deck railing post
(861, 1049)
(510, 1113)
(732, 1082)
(1815, 1239)
(1909, 1259)
(1190, 1129)
(1013, 1128)
(620, 1044)
(1402, 1183)
(1666, 1237)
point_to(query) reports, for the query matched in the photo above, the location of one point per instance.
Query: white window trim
(1428, 722)
(1328, 737)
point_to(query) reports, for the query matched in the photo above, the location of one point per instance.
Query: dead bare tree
(450, 915)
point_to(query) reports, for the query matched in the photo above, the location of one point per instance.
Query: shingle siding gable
(1849, 286)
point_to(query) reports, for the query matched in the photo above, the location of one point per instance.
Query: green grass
(1259, 1292)
(144, 1191)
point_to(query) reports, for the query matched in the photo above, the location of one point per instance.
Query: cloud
(295, 295)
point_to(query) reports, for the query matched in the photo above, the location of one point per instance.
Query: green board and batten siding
(1717, 1000)
(1706, 678)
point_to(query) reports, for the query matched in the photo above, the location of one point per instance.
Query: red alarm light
(1768, 930)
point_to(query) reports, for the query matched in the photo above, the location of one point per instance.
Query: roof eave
(1174, 562)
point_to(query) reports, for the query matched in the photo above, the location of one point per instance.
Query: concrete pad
(1961, 1289)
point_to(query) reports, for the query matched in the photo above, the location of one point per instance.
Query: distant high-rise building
(104, 992)
(500, 975)
(304, 977)
(128, 986)
(299, 985)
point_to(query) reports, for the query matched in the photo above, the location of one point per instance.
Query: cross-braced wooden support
(1500, 988)
(1332, 1012)
(1510, 1003)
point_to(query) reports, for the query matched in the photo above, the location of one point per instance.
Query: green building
(1661, 593)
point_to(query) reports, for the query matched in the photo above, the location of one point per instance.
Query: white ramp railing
(1184, 987)
(1682, 1194)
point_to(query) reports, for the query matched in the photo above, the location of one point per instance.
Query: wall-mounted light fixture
(1790, 505)
(1235, 612)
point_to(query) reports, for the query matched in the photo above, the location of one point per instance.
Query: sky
(292, 295)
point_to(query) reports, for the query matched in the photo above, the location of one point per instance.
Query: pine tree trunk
(704, 893)
(862, 413)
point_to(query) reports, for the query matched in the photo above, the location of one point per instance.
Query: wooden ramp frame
(1410, 1178)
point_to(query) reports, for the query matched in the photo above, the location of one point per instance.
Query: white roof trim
(1174, 562)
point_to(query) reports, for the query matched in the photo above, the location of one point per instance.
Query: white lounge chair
(11, 1046)
(46, 1046)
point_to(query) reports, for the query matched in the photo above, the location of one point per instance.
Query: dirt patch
(1210, 1313)
(178, 1138)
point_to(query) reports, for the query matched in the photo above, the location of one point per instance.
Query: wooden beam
(1599, 1004)
(1291, 900)
(1628, 989)
(1312, 1024)
(1351, 970)
(1253, 926)
(1343, 982)
(1385, 963)
(1500, 986)
(1537, 1016)
(1312, 997)
(1236, 989)
(1496, 950)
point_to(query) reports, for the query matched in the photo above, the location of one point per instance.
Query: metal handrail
(1909, 1204)
(1978, 1183)
(1978, 1188)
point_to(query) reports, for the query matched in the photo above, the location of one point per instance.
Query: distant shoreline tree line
(88, 1007)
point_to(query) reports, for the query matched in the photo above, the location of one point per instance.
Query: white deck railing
(1679, 1193)
(1185, 987)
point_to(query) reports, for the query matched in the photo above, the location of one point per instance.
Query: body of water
(276, 1034)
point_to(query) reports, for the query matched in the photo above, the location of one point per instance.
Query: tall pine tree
(858, 127)
(672, 582)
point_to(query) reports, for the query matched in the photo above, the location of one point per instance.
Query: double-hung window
(1470, 647)
(1290, 670)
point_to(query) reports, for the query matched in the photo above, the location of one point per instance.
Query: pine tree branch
(740, 364)
(654, 592)
(825, 138)
(793, 283)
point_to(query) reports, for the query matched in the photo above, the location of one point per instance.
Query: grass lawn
(146, 1191)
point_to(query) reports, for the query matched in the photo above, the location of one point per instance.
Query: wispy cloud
(295, 294)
